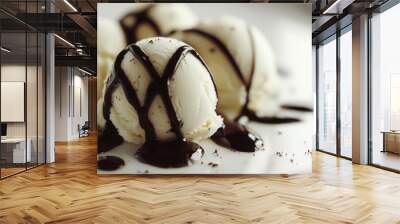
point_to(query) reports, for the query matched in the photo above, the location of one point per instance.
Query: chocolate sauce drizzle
(174, 153)
(297, 108)
(108, 138)
(110, 163)
(245, 111)
(140, 18)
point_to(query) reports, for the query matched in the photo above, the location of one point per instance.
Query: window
(327, 96)
(22, 76)
(334, 106)
(346, 93)
(385, 89)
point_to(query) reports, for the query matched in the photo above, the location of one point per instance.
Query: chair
(84, 130)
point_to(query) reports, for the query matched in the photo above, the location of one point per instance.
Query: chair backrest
(86, 125)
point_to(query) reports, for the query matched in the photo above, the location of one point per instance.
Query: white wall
(70, 83)
(314, 90)
(61, 103)
(50, 93)
(80, 98)
(12, 73)
(34, 125)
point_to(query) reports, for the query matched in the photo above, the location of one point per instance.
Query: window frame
(334, 37)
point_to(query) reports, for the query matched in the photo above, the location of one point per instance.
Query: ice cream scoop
(110, 41)
(151, 20)
(243, 66)
(160, 94)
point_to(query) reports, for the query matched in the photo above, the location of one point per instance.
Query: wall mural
(204, 88)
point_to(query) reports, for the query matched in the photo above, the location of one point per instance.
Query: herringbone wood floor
(69, 191)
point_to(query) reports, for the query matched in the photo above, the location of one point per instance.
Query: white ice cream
(238, 37)
(167, 17)
(191, 90)
(110, 41)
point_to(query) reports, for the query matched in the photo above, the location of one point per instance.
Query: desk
(13, 150)
(391, 141)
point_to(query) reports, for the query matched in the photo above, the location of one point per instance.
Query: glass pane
(32, 88)
(23, 82)
(327, 97)
(13, 87)
(346, 94)
(31, 98)
(41, 99)
(386, 89)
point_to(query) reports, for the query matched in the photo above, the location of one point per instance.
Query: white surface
(50, 95)
(12, 140)
(71, 93)
(12, 101)
(293, 141)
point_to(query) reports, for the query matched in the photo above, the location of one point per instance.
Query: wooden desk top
(13, 140)
(391, 132)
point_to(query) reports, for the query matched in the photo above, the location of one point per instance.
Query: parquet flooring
(10, 171)
(70, 191)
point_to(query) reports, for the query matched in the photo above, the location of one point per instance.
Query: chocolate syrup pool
(109, 163)
(238, 137)
(169, 154)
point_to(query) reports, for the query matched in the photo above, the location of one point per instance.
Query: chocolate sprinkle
(213, 164)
